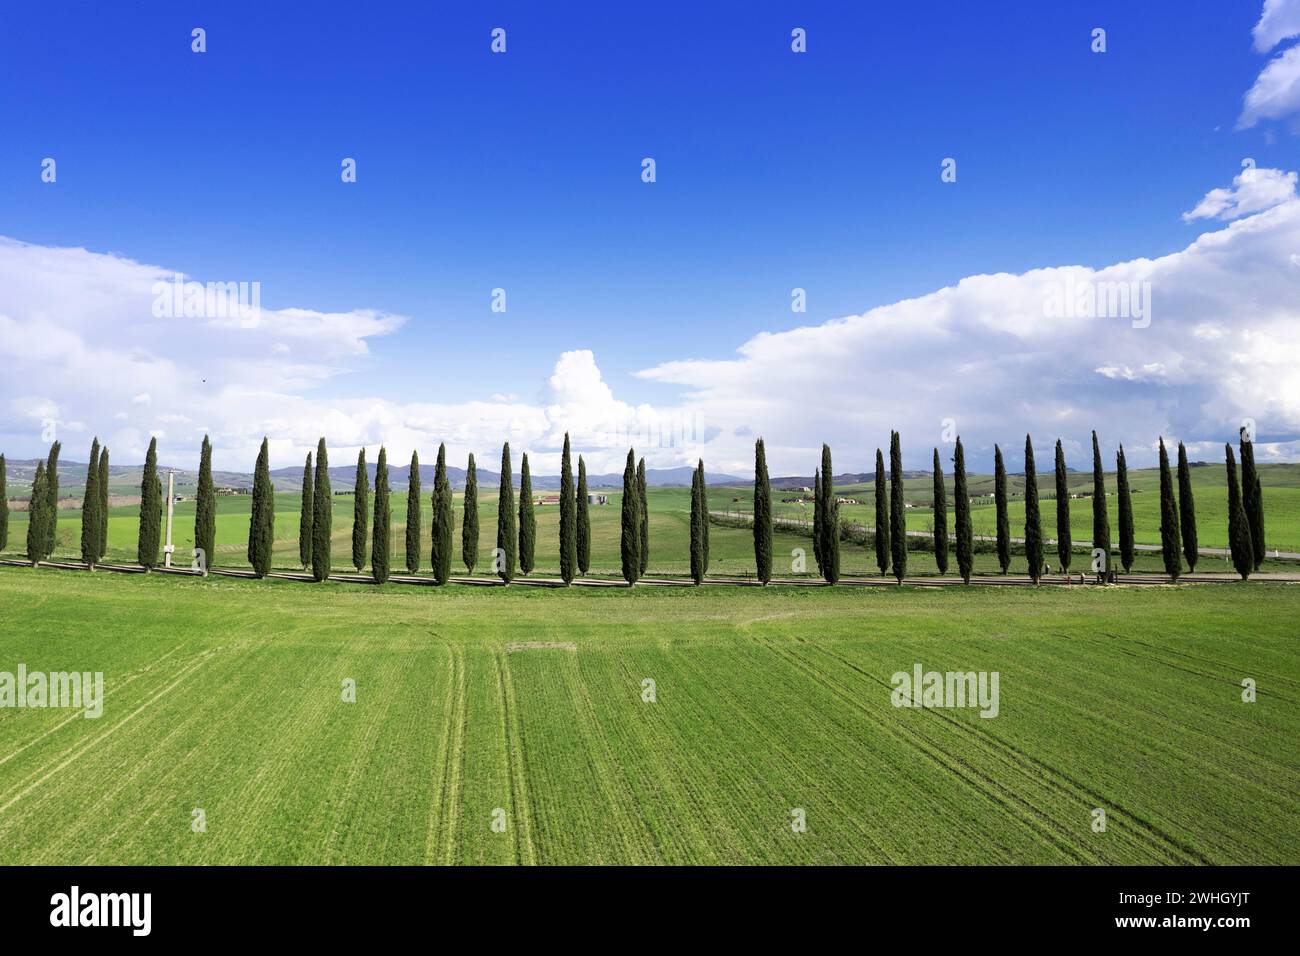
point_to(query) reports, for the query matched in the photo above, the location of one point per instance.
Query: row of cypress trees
(1177, 525)
(516, 533)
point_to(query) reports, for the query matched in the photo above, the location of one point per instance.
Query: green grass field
(225, 695)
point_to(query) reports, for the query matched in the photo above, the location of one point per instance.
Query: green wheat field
(524, 707)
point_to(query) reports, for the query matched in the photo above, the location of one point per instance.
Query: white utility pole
(168, 548)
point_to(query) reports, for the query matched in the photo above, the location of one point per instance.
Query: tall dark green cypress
(704, 510)
(507, 533)
(360, 512)
(146, 548)
(36, 506)
(469, 525)
(1100, 517)
(306, 517)
(630, 537)
(584, 520)
(205, 507)
(961, 503)
(1033, 520)
(897, 506)
(381, 545)
(52, 498)
(568, 517)
(1243, 552)
(1000, 502)
(940, 508)
(322, 516)
(817, 518)
(1187, 510)
(413, 532)
(90, 509)
(527, 518)
(261, 521)
(698, 520)
(4, 507)
(643, 513)
(762, 515)
(103, 503)
(1252, 499)
(1169, 543)
(1125, 499)
(1064, 544)
(440, 556)
(830, 521)
(882, 516)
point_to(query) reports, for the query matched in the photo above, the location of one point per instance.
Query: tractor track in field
(1156, 658)
(605, 768)
(139, 672)
(1183, 751)
(988, 786)
(793, 763)
(445, 809)
(43, 774)
(521, 824)
(1035, 767)
(685, 790)
(363, 747)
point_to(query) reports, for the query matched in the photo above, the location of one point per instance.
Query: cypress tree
(583, 536)
(440, 557)
(882, 516)
(261, 522)
(1243, 553)
(322, 518)
(698, 520)
(381, 546)
(1169, 543)
(36, 517)
(961, 502)
(568, 517)
(4, 507)
(308, 511)
(469, 525)
(1000, 501)
(1252, 499)
(762, 514)
(817, 518)
(146, 549)
(90, 510)
(527, 518)
(643, 513)
(103, 502)
(1125, 511)
(1033, 521)
(830, 521)
(507, 533)
(940, 504)
(413, 516)
(360, 512)
(630, 540)
(1187, 510)
(1100, 518)
(704, 510)
(897, 505)
(52, 497)
(1064, 544)
(205, 507)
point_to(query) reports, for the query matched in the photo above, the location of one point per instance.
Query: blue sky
(522, 170)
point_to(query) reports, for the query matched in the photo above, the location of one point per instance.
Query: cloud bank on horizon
(1216, 342)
